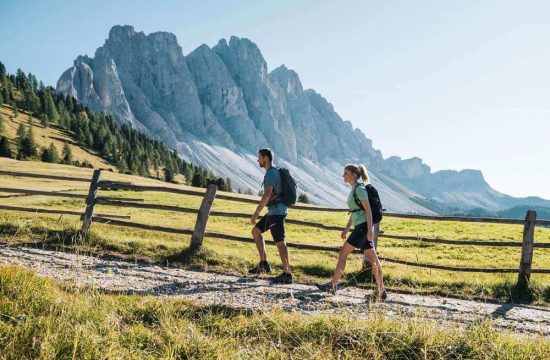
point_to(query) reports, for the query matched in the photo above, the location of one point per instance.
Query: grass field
(38, 319)
(236, 257)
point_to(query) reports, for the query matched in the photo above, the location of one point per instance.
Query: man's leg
(260, 243)
(283, 253)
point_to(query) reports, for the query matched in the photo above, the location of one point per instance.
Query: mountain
(218, 105)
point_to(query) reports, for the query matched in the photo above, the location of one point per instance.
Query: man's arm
(263, 202)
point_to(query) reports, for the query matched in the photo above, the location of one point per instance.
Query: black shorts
(358, 237)
(275, 223)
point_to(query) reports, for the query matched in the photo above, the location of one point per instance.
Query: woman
(362, 235)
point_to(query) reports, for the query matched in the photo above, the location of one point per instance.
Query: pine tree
(6, 92)
(15, 111)
(26, 150)
(228, 186)
(31, 102)
(20, 135)
(50, 154)
(303, 198)
(44, 120)
(122, 166)
(3, 73)
(49, 106)
(198, 180)
(67, 154)
(168, 174)
(2, 126)
(1, 99)
(5, 149)
(30, 135)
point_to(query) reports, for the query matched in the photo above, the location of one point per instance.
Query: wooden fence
(204, 211)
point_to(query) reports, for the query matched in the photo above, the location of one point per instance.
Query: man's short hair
(266, 152)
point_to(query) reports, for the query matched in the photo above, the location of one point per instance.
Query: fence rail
(203, 213)
(122, 185)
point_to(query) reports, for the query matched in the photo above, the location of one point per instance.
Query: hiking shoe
(377, 296)
(327, 288)
(261, 268)
(283, 278)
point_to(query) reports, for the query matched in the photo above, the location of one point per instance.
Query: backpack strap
(357, 201)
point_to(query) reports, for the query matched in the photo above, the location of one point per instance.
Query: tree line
(131, 151)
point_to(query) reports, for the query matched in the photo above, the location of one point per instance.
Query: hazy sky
(461, 84)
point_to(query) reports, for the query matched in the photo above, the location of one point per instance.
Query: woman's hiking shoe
(284, 278)
(327, 288)
(261, 268)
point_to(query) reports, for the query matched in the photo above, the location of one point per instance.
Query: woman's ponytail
(363, 173)
(360, 171)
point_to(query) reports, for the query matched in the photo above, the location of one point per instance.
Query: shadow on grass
(521, 293)
(194, 256)
(315, 270)
(37, 235)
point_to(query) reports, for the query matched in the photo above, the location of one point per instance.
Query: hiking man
(274, 220)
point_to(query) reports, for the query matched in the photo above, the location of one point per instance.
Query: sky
(460, 84)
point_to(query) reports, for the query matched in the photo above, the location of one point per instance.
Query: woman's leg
(341, 265)
(375, 232)
(370, 254)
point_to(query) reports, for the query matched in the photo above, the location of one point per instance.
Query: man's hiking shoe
(327, 288)
(284, 278)
(261, 268)
(377, 296)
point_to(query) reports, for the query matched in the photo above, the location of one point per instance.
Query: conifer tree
(5, 149)
(67, 154)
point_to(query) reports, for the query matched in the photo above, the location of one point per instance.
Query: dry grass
(38, 319)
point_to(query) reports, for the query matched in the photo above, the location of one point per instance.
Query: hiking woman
(362, 235)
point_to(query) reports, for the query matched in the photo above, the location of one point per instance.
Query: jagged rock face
(219, 93)
(265, 101)
(219, 105)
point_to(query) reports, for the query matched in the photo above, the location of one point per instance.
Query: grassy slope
(45, 136)
(236, 257)
(38, 319)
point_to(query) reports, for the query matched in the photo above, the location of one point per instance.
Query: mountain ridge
(218, 105)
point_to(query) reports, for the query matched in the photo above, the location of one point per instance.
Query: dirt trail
(259, 294)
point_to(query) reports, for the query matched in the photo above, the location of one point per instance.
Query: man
(274, 220)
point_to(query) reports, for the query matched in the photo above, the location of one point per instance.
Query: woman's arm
(345, 231)
(368, 212)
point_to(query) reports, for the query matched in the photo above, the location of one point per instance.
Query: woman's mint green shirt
(357, 217)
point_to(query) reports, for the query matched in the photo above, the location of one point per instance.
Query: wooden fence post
(202, 216)
(90, 202)
(527, 248)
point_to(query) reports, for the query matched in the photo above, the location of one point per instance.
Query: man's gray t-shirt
(273, 178)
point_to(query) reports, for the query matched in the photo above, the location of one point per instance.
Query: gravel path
(259, 294)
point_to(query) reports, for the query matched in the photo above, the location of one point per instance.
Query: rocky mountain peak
(121, 32)
(286, 78)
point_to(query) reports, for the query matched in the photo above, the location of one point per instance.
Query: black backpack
(288, 196)
(289, 188)
(374, 201)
